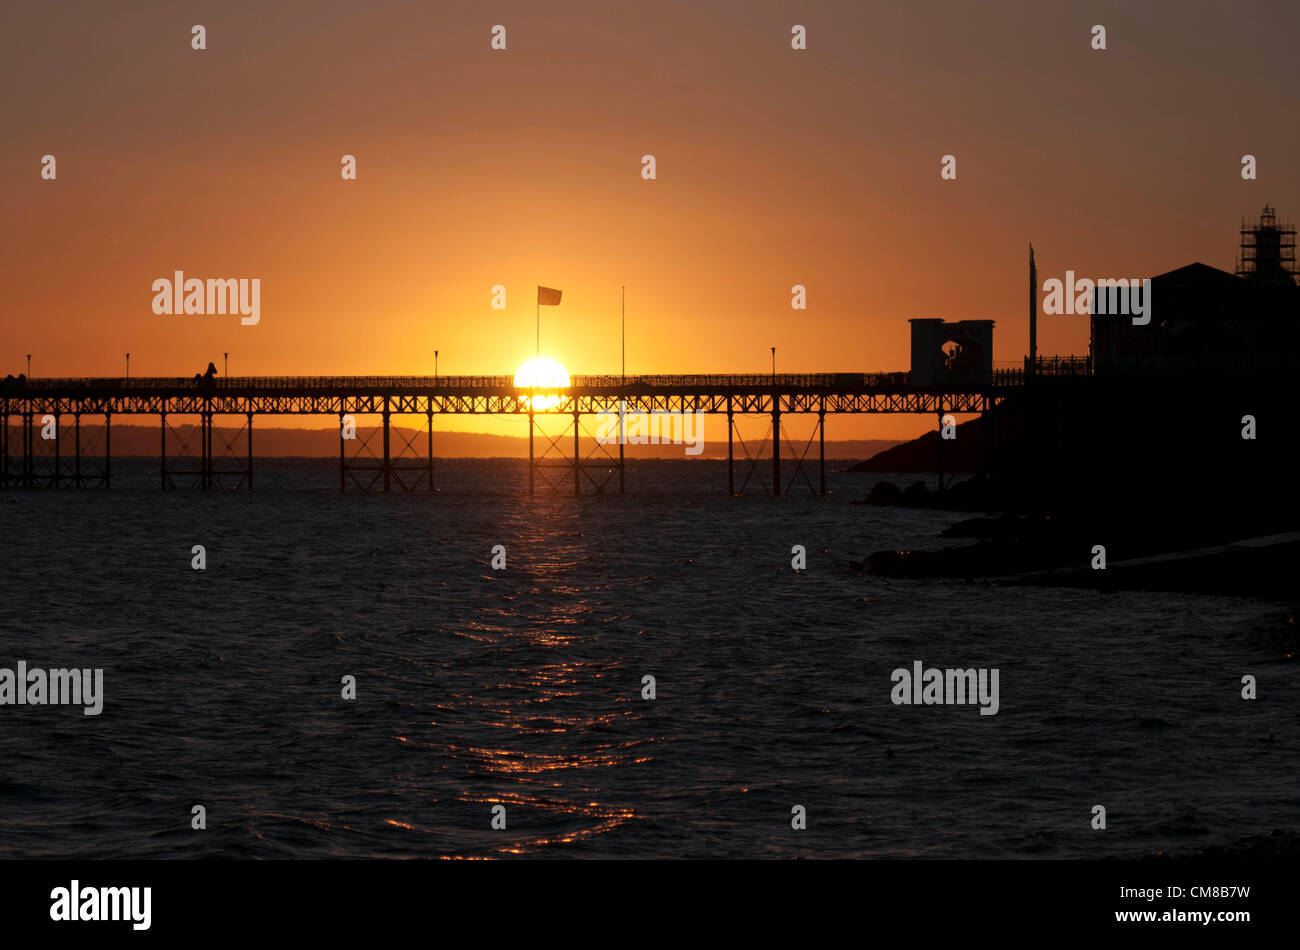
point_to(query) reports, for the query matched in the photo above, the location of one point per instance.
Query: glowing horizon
(775, 168)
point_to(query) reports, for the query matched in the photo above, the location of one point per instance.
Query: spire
(1033, 313)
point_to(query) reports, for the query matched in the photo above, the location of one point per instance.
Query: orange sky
(521, 167)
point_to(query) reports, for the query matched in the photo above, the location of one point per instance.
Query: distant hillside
(963, 454)
(136, 440)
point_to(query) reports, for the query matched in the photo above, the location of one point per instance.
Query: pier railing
(1005, 375)
(1012, 373)
(764, 381)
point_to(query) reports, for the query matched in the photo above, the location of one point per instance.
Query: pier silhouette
(1203, 330)
(30, 461)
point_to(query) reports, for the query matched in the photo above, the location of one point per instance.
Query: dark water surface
(523, 687)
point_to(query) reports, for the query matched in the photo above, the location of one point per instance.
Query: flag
(546, 297)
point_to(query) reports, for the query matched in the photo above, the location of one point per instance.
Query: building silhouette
(1203, 317)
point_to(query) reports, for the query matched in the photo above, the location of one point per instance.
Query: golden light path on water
(550, 755)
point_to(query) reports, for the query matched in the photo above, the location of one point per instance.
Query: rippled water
(523, 687)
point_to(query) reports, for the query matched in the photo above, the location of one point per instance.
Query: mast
(1033, 314)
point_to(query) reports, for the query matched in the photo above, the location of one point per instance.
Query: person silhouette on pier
(208, 377)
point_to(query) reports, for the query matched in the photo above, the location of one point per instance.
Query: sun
(542, 373)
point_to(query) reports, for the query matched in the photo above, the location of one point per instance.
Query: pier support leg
(993, 440)
(250, 451)
(941, 448)
(621, 439)
(162, 448)
(532, 462)
(58, 459)
(577, 460)
(821, 437)
(731, 451)
(203, 450)
(984, 443)
(108, 449)
(776, 447)
(388, 470)
(343, 467)
(76, 444)
(29, 454)
(430, 462)
(14, 465)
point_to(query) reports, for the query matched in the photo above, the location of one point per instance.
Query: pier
(44, 447)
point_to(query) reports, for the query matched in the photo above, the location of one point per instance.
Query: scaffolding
(1268, 251)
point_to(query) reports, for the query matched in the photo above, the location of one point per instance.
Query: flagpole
(539, 323)
(623, 337)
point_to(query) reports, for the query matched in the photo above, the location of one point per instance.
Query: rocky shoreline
(1240, 556)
